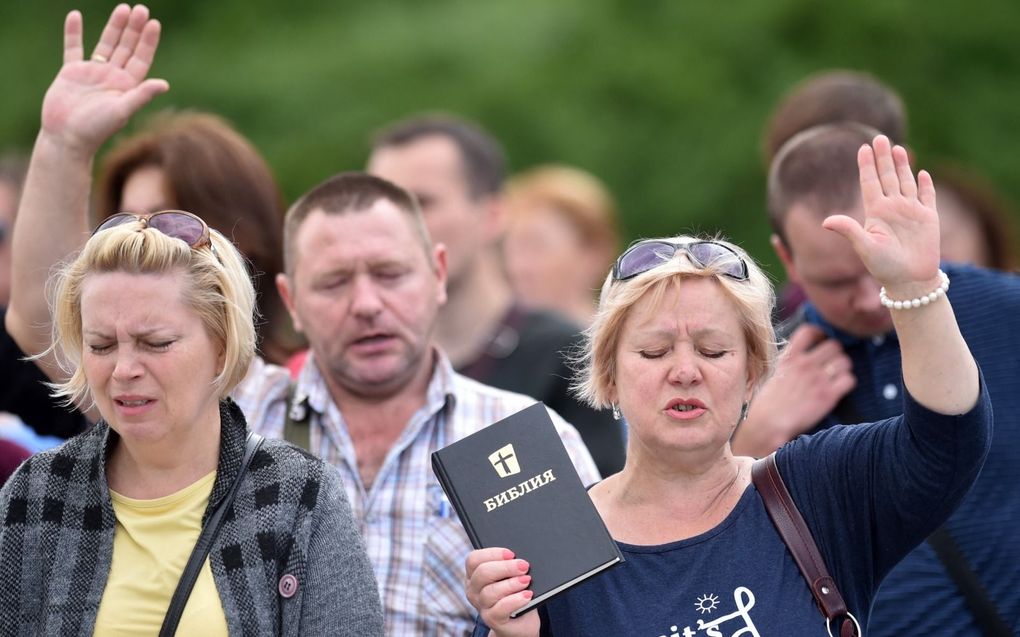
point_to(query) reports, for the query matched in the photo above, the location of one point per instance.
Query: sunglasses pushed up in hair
(176, 224)
(646, 255)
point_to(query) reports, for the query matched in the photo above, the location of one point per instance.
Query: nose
(128, 366)
(866, 296)
(684, 369)
(365, 300)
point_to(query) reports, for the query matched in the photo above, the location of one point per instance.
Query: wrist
(51, 145)
(915, 294)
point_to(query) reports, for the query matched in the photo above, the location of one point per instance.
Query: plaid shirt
(414, 539)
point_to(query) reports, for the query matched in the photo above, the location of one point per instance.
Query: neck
(695, 483)
(655, 500)
(152, 469)
(375, 422)
(476, 303)
(582, 311)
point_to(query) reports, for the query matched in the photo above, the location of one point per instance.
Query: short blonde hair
(578, 196)
(218, 288)
(754, 298)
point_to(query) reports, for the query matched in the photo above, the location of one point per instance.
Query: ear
(786, 258)
(439, 269)
(221, 358)
(286, 289)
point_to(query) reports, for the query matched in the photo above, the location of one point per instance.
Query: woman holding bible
(682, 340)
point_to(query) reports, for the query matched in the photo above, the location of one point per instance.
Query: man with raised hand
(965, 580)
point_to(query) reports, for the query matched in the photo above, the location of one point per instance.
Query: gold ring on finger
(100, 58)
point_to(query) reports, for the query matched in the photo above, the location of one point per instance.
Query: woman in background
(561, 235)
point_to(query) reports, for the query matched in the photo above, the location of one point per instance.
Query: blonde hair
(754, 299)
(578, 196)
(218, 289)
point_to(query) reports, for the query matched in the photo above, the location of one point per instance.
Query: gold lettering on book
(511, 494)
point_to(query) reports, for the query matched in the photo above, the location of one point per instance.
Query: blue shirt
(738, 579)
(918, 597)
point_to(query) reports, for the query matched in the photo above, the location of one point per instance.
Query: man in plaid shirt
(364, 284)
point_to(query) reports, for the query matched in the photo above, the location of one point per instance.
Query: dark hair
(214, 172)
(980, 199)
(345, 193)
(831, 97)
(817, 167)
(482, 158)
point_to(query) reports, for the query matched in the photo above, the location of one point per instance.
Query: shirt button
(878, 340)
(288, 586)
(890, 391)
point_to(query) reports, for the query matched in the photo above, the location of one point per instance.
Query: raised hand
(899, 241)
(496, 586)
(92, 99)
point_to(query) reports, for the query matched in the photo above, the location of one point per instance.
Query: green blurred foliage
(663, 99)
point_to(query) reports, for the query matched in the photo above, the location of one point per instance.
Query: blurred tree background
(663, 99)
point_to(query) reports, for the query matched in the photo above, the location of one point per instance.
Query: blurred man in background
(456, 170)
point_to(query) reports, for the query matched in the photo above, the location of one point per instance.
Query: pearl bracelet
(918, 302)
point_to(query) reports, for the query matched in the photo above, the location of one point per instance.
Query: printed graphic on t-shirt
(725, 620)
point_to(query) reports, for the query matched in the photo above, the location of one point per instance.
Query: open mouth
(683, 408)
(141, 402)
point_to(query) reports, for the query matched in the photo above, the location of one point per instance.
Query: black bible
(513, 485)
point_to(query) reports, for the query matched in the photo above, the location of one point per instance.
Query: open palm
(899, 240)
(91, 100)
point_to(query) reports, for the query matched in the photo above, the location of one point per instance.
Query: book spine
(451, 494)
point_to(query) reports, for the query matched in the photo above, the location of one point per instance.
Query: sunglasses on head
(176, 224)
(645, 255)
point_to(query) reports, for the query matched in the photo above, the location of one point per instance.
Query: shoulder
(77, 458)
(477, 405)
(262, 393)
(41, 486)
(970, 284)
(296, 476)
(548, 325)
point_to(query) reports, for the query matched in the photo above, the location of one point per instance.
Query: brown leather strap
(795, 533)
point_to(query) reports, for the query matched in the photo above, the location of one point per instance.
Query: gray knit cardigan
(290, 517)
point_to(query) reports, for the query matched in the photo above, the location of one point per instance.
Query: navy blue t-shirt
(919, 597)
(869, 494)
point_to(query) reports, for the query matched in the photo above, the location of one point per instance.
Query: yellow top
(151, 544)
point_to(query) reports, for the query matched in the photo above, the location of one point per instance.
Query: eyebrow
(145, 333)
(671, 333)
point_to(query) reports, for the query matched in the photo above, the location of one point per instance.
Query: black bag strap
(981, 606)
(797, 536)
(296, 426)
(204, 543)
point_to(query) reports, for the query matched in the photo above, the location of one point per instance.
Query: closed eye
(100, 349)
(159, 346)
(389, 275)
(652, 354)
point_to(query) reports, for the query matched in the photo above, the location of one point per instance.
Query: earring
(616, 412)
(743, 412)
